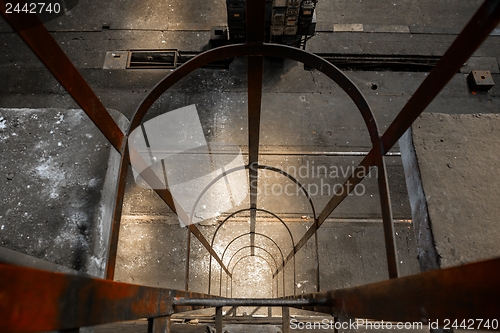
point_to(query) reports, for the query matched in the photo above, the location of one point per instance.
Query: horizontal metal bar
(269, 152)
(244, 218)
(324, 153)
(278, 302)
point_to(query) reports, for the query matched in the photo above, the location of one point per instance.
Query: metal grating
(153, 59)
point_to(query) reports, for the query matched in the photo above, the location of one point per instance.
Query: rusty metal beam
(159, 325)
(387, 221)
(255, 72)
(465, 292)
(255, 24)
(255, 21)
(57, 301)
(117, 216)
(41, 42)
(197, 233)
(33, 300)
(34, 33)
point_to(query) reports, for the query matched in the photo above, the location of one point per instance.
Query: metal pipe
(276, 302)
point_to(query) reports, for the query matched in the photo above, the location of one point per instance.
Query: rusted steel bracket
(463, 293)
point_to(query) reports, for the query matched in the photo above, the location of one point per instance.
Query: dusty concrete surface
(458, 158)
(53, 169)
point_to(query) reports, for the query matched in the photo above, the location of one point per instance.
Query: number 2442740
(33, 8)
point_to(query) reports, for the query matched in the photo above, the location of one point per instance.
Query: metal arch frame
(268, 264)
(254, 210)
(258, 210)
(259, 50)
(246, 167)
(253, 256)
(258, 248)
(232, 215)
(264, 167)
(255, 234)
(152, 176)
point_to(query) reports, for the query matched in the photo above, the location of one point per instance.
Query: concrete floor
(465, 172)
(303, 113)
